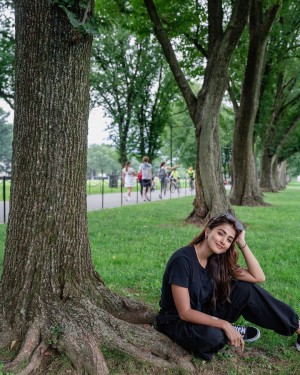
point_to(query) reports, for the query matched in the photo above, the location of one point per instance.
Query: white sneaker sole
(255, 338)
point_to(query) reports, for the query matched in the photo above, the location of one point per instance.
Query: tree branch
(197, 45)
(239, 17)
(291, 102)
(287, 134)
(170, 56)
(87, 9)
(270, 16)
(233, 98)
(215, 19)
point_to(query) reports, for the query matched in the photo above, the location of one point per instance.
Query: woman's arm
(182, 302)
(254, 272)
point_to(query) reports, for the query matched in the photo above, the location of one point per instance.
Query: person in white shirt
(128, 179)
(146, 169)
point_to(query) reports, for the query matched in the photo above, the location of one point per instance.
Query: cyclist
(191, 176)
(175, 177)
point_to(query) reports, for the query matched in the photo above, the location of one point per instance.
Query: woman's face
(220, 238)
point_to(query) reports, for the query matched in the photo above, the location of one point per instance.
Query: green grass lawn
(131, 245)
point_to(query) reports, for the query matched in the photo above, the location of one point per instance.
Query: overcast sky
(97, 127)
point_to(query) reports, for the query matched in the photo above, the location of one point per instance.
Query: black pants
(248, 300)
(163, 185)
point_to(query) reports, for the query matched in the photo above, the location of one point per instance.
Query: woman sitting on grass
(204, 291)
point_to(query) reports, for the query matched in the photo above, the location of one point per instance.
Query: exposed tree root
(79, 328)
(269, 189)
(7, 335)
(28, 348)
(247, 200)
(83, 351)
(200, 213)
(85, 327)
(35, 360)
(127, 309)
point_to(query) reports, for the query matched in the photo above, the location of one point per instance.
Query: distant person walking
(128, 179)
(146, 169)
(162, 175)
(139, 177)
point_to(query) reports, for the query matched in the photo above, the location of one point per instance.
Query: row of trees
(102, 159)
(130, 80)
(217, 43)
(50, 292)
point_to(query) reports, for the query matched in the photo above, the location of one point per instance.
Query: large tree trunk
(210, 197)
(245, 188)
(282, 175)
(279, 173)
(266, 175)
(50, 292)
(204, 110)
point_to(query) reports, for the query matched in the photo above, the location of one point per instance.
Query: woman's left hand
(240, 240)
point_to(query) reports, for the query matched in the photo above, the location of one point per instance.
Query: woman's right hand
(234, 337)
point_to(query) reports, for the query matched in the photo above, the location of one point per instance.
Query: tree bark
(245, 188)
(282, 175)
(204, 109)
(266, 176)
(274, 173)
(270, 174)
(50, 292)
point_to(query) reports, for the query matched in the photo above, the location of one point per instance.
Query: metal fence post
(121, 188)
(4, 200)
(102, 190)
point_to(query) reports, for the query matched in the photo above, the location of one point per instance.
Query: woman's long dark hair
(223, 268)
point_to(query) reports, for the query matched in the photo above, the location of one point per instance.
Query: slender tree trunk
(245, 189)
(122, 148)
(279, 173)
(274, 173)
(51, 295)
(282, 174)
(266, 177)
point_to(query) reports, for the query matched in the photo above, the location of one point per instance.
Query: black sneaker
(298, 343)
(249, 334)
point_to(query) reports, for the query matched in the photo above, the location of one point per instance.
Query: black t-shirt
(184, 269)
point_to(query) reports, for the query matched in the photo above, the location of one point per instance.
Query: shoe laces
(241, 329)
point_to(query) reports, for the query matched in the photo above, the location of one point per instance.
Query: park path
(99, 201)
